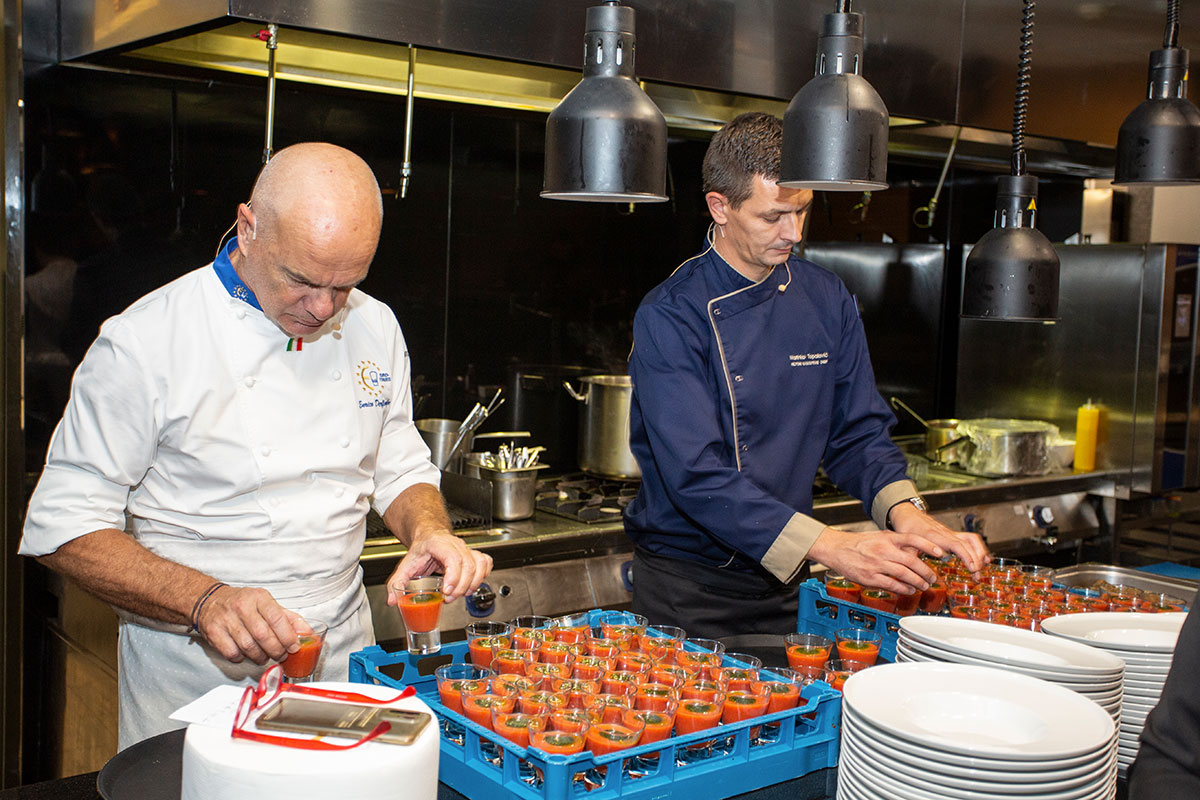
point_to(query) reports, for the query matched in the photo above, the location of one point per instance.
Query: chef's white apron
(161, 668)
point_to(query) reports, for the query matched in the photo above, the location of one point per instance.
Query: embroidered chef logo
(808, 359)
(371, 378)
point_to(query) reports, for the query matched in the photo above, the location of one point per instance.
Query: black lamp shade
(606, 141)
(1012, 272)
(835, 130)
(1159, 142)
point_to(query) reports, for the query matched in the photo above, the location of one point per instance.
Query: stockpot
(604, 426)
(999, 448)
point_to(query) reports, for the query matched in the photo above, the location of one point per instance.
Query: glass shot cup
(572, 628)
(746, 703)
(301, 666)
(838, 670)
(807, 653)
(858, 644)
(563, 734)
(421, 609)
(516, 726)
(659, 640)
(698, 653)
(735, 671)
(455, 680)
(620, 625)
(484, 637)
(530, 631)
(607, 737)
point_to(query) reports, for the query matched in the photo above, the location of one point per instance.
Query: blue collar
(229, 277)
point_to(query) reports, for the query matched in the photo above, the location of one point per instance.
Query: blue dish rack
(807, 740)
(825, 615)
(820, 613)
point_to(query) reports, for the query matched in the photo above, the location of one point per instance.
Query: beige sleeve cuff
(786, 556)
(888, 496)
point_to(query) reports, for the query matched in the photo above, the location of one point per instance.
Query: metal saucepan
(938, 433)
(999, 448)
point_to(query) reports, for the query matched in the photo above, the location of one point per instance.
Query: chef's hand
(247, 622)
(462, 568)
(888, 560)
(907, 518)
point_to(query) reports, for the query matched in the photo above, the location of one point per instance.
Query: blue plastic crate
(820, 613)
(803, 745)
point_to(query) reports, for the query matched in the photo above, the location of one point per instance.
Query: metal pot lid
(608, 380)
(991, 426)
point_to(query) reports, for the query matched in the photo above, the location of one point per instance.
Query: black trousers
(711, 602)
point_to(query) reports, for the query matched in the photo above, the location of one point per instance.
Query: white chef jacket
(237, 455)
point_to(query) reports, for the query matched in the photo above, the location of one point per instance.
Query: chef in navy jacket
(750, 371)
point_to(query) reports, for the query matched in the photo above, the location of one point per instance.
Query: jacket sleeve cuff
(888, 496)
(786, 556)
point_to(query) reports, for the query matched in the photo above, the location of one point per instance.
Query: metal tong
(471, 424)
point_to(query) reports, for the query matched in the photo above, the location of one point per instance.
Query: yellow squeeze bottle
(1087, 430)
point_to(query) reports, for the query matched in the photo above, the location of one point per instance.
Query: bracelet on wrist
(195, 618)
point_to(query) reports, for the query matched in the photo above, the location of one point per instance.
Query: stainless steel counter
(955, 498)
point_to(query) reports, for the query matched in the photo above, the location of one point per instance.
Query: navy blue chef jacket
(740, 392)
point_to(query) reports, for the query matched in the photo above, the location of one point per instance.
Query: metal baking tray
(1091, 573)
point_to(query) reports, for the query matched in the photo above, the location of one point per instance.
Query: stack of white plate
(1145, 642)
(957, 732)
(1090, 671)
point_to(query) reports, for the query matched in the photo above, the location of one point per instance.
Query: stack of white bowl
(1090, 671)
(1145, 642)
(931, 731)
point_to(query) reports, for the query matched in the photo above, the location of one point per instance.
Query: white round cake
(218, 767)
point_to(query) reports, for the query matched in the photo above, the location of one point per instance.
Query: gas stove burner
(585, 498)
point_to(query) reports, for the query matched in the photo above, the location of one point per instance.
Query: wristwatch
(917, 501)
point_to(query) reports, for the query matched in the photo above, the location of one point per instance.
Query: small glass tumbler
(301, 666)
(421, 607)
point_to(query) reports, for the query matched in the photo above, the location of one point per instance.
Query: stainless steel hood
(943, 61)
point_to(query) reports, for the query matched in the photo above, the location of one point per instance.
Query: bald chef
(239, 421)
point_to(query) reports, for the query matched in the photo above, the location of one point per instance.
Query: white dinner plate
(876, 782)
(1139, 704)
(913, 652)
(928, 762)
(933, 753)
(925, 651)
(1114, 630)
(1011, 646)
(1149, 660)
(937, 781)
(1157, 677)
(978, 710)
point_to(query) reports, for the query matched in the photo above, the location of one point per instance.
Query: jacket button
(737, 378)
(745, 448)
(716, 312)
(241, 313)
(249, 381)
(338, 492)
(344, 441)
(266, 451)
(337, 375)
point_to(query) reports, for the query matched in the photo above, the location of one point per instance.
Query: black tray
(152, 769)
